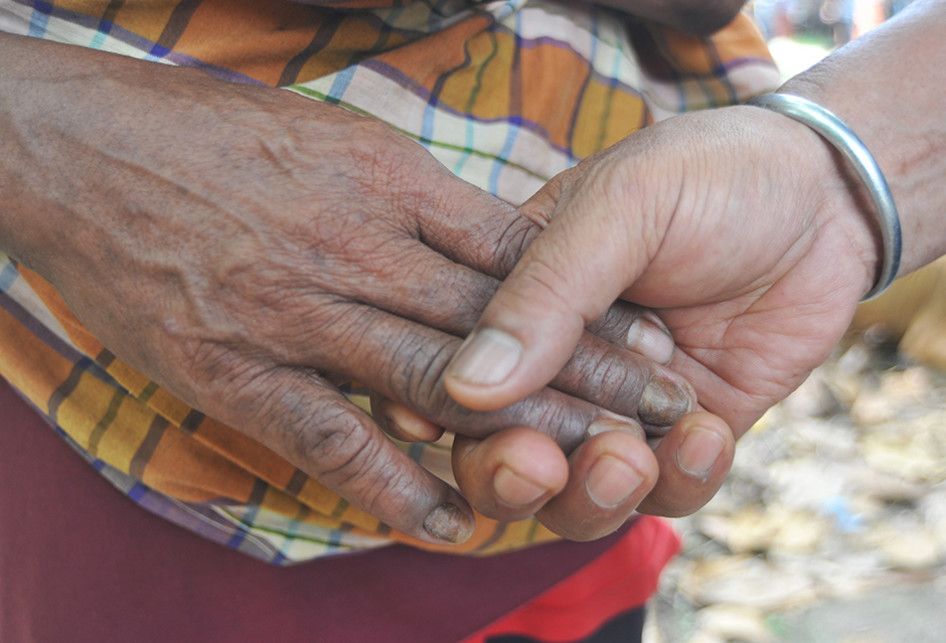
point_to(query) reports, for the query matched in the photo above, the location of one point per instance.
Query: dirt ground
(832, 526)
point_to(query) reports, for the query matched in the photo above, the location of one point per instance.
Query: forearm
(86, 137)
(20, 64)
(888, 86)
(59, 103)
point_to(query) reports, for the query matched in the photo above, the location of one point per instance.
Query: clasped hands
(258, 247)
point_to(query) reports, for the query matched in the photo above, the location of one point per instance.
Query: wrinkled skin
(653, 221)
(247, 248)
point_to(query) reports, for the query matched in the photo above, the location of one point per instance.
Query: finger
(636, 328)
(694, 459)
(608, 477)
(589, 254)
(402, 423)
(511, 474)
(439, 293)
(486, 234)
(432, 290)
(313, 426)
(404, 361)
(503, 234)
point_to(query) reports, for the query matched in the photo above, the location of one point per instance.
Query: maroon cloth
(80, 562)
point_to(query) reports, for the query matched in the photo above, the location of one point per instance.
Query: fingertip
(630, 449)
(610, 474)
(406, 425)
(450, 522)
(510, 474)
(650, 337)
(707, 444)
(695, 458)
(478, 375)
(666, 399)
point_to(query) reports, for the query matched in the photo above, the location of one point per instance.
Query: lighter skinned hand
(736, 225)
(248, 248)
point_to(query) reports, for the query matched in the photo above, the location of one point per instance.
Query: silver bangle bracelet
(836, 132)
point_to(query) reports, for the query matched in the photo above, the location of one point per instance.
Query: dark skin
(700, 18)
(246, 248)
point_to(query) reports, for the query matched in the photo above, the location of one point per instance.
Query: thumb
(590, 253)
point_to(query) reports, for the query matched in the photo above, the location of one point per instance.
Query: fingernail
(611, 481)
(449, 523)
(411, 425)
(515, 490)
(486, 358)
(664, 401)
(699, 452)
(651, 340)
(603, 425)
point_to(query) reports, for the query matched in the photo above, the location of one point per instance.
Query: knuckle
(417, 372)
(452, 300)
(334, 439)
(555, 416)
(607, 377)
(511, 242)
(347, 457)
(614, 324)
(222, 381)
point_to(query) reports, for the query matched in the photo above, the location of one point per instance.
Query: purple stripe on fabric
(323, 36)
(39, 329)
(576, 108)
(142, 44)
(255, 500)
(720, 68)
(146, 449)
(420, 91)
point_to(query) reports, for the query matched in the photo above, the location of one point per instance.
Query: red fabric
(621, 579)
(80, 562)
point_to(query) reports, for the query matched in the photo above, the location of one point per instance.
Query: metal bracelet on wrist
(836, 132)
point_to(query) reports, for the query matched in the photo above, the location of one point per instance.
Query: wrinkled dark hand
(247, 247)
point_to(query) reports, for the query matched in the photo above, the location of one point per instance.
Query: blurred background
(832, 526)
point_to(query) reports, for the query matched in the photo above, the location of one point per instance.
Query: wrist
(902, 125)
(861, 201)
(838, 204)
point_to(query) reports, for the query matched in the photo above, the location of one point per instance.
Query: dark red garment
(80, 562)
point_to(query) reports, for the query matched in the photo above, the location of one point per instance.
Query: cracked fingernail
(664, 401)
(449, 523)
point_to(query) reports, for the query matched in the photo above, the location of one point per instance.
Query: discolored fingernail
(516, 490)
(486, 358)
(605, 424)
(664, 401)
(449, 523)
(611, 481)
(700, 450)
(650, 339)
